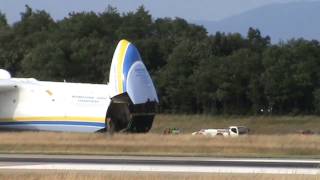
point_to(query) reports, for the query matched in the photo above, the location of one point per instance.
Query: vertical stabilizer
(129, 75)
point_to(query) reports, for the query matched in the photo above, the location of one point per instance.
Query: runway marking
(162, 168)
(160, 164)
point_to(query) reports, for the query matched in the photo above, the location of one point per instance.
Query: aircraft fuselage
(55, 106)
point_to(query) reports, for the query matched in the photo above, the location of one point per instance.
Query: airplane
(126, 104)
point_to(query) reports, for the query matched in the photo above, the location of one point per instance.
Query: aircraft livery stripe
(123, 49)
(131, 57)
(56, 118)
(53, 123)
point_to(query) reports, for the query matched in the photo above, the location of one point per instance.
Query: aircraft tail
(129, 75)
(134, 97)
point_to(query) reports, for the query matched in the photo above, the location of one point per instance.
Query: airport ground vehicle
(232, 131)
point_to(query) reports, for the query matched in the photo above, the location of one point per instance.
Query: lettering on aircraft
(88, 99)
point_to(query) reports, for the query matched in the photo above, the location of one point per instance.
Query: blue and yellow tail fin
(129, 75)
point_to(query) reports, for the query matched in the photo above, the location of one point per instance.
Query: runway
(159, 164)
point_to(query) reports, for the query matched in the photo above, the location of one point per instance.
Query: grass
(155, 144)
(257, 124)
(14, 175)
(271, 137)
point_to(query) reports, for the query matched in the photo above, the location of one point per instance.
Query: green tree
(136, 25)
(222, 44)
(45, 62)
(234, 76)
(316, 101)
(110, 22)
(5, 37)
(177, 78)
(33, 21)
(88, 60)
(290, 76)
(3, 20)
(256, 41)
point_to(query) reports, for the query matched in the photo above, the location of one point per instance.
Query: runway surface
(158, 164)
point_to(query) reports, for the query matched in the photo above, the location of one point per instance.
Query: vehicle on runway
(127, 103)
(232, 131)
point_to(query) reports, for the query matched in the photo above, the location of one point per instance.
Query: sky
(204, 10)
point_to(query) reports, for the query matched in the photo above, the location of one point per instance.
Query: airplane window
(234, 130)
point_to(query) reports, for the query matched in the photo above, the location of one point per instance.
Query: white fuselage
(53, 106)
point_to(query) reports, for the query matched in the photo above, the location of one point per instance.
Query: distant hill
(279, 21)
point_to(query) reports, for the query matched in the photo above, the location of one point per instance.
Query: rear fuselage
(54, 106)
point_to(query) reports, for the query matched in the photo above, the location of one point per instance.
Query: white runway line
(161, 168)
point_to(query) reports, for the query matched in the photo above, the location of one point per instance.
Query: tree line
(193, 71)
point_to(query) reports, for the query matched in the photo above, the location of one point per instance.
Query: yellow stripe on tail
(122, 53)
